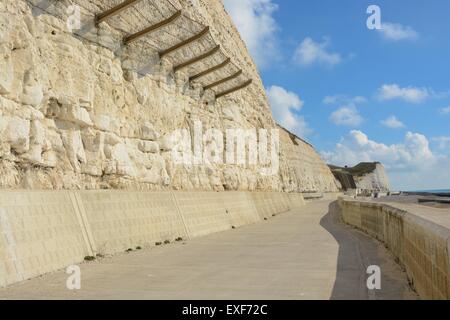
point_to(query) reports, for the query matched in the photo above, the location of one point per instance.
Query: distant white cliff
(365, 177)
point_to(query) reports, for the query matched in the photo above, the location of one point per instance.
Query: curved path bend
(303, 254)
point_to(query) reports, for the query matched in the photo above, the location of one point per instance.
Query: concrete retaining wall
(267, 206)
(121, 220)
(40, 232)
(44, 231)
(421, 246)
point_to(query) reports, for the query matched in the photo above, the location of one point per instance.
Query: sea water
(435, 191)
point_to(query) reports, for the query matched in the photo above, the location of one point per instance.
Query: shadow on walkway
(358, 251)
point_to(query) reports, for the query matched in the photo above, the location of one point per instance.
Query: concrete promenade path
(303, 254)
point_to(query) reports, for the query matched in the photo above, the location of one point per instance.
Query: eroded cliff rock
(366, 177)
(78, 110)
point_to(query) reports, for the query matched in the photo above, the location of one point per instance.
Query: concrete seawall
(44, 231)
(418, 237)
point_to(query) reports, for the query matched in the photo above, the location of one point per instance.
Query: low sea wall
(419, 238)
(44, 231)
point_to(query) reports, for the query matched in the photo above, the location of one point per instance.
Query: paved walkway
(303, 254)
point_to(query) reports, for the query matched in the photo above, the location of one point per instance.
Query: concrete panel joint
(84, 223)
(177, 206)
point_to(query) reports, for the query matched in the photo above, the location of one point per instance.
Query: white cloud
(442, 142)
(284, 106)
(347, 116)
(397, 32)
(255, 22)
(310, 52)
(411, 164)
(357, 147)
(408, 94)
(342, 98)
(445, 110)
(393, 122)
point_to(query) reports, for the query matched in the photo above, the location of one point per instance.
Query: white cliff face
(377, 180)
(302, 169)
(75, 114)
(368, 177)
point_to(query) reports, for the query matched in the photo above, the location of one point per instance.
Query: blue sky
(359, 94)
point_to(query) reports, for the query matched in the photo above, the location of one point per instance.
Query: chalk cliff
(80, 110)
(366, 176)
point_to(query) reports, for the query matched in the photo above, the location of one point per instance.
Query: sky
(358, 93)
